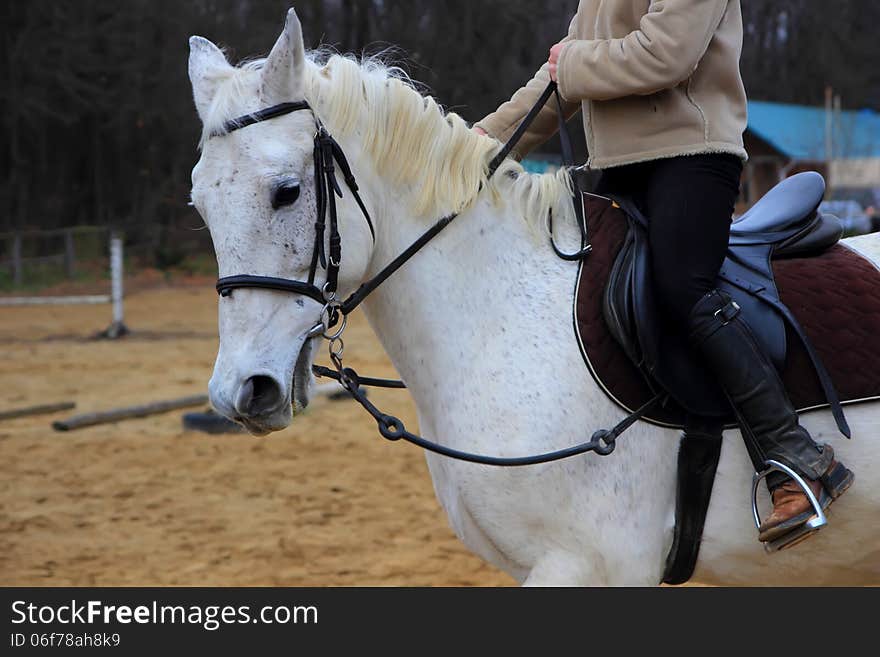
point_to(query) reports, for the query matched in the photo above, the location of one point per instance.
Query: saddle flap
(745, 275)
(661, 351)
(618, 302)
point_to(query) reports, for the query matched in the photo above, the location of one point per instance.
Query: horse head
(255, 188)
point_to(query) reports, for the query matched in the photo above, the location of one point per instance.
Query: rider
(664, 111)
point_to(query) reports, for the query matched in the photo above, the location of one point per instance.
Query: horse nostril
(258, 395)
(267, 393)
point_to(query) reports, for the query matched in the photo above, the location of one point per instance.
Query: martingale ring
(326, 333)
(337, 350)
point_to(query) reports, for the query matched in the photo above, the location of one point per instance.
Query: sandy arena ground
(143, 502)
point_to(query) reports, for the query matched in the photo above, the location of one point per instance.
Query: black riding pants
(689, 203)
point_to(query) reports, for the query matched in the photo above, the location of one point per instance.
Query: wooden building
(781, 139)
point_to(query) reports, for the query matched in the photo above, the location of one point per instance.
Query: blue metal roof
(799, 130)
(536, 165)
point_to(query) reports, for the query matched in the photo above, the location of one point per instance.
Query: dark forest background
(98, 125)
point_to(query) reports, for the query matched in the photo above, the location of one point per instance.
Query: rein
(327, 152)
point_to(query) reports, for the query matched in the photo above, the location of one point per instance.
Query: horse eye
(285, 194)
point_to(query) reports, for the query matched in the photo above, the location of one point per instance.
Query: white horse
(479, 326)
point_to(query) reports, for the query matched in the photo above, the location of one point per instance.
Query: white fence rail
(55, 301)
(117, 326)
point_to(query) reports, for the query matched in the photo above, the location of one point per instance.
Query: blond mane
(430, 155)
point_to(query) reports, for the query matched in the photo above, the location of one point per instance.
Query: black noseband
(225, 286)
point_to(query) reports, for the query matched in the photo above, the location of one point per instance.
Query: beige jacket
(655, 79)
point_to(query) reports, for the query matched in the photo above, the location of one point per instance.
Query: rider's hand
(555, 51)
(480, 131)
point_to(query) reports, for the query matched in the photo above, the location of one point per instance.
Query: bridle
(327, 152)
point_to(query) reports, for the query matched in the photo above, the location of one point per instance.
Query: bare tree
(98, 124)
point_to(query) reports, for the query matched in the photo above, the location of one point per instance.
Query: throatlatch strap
(350, 181)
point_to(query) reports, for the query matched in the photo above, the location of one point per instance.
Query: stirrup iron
(797, 534)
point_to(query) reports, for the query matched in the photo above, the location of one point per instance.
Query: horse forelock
(428, 154)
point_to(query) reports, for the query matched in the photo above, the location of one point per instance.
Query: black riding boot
(767, 417)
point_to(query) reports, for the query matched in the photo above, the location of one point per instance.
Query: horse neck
(443, 307)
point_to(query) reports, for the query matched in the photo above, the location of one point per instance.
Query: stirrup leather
(797, 534)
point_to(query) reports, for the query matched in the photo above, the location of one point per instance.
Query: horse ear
(206, 62)
(283, 71)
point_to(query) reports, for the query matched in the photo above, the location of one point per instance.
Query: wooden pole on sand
(105, 417)
(43, 409)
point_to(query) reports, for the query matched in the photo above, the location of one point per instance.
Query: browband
(261, 115)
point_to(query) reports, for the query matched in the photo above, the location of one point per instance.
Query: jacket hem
(674, 151)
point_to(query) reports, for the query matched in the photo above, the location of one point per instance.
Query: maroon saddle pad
(835, 296)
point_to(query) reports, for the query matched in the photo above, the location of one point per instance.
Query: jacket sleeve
(502, 123)
(671, 40)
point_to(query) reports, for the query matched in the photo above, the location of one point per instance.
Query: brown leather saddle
(811, 302)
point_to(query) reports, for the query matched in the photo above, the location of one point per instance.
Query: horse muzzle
(260, 403)
(263, 399)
